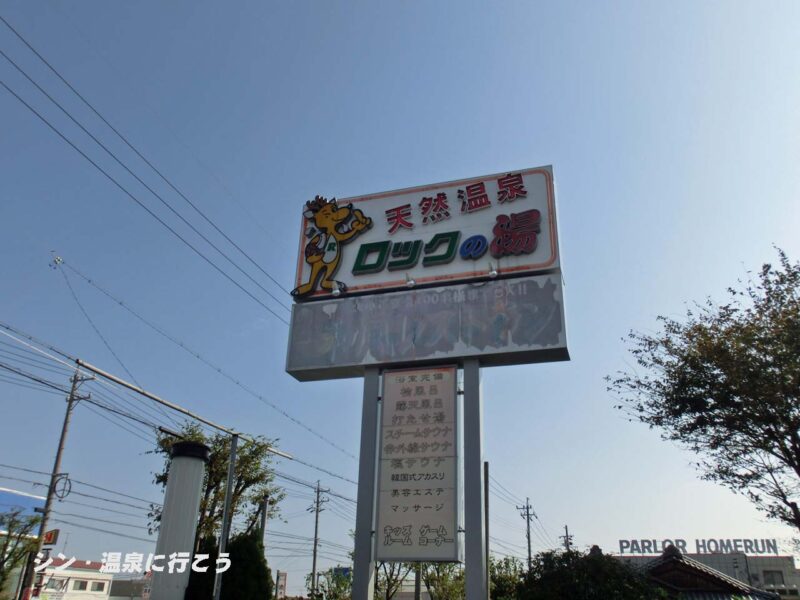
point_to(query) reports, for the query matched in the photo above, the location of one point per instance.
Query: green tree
(390, 577)
(334, 584)
(16, 541)
(592, 576)
(505, 576)
(248, 577)
(444, 581)
(724, 381)
(254, 478)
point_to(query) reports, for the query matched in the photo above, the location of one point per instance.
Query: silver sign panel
(501, 321)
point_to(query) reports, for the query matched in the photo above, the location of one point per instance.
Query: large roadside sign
(483, 227)
(406, 288)
(429, 275)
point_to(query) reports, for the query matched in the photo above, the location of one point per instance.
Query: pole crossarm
(168, 404)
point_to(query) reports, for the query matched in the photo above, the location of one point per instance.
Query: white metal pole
(226, 512)
(363, 563)
(474, 517)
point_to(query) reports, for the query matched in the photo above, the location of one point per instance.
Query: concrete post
(179, 516)
(474, 517)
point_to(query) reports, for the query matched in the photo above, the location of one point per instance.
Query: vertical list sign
(418, 470)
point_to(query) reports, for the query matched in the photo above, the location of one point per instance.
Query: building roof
(78, 565)
(696, 581)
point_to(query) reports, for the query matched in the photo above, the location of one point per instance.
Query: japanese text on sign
(418, 483)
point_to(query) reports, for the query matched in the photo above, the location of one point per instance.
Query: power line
(111, 397)
(58, 388)
(32, 377)
(140, 180)
(140, 155)
(140, 203)
(66, 514)
(103, 339)
(57, 265)
(79, 482)
(111, 510)
(505, 489)
(66, 355)
(326, 471)
(29, 385)
(194, 353)
(116, 533)
(43, 353)
(122, 413)
(28, 358)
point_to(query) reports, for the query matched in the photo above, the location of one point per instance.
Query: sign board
(502, 322)
(499, 225)
(749, 546)
(418, 508)
(50, 538)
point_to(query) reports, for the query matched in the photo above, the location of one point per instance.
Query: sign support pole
(363, 563)
(474, 517)
(226, 512)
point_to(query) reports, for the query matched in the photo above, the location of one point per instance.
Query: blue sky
(672, 129)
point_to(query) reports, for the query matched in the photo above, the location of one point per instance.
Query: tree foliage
(334, 584)
(725, 382)
(390, 577)
(505, 576)
(16, 542)
(444, 581)
(592, 576)
(253, 479)
(248, 577)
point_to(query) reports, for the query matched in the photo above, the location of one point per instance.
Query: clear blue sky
(672, 128)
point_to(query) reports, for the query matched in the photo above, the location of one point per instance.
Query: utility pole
(72, 400)
(526, 512)
(317, 508)
(264, 510)
(567, 538)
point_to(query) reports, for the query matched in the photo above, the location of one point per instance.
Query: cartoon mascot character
(331, 227)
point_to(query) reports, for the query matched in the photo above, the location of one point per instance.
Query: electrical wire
(141, 156)
(98, 520)
(195, 354)
(506, 490)
(105, 341)
(140, 203)
(141, 181)
(106, 531)
(33, 339)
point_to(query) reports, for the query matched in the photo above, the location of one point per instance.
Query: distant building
(720, 576)
(82, 580)
(128, 589)
(280, 585)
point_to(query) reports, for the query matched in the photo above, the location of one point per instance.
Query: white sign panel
(499, 225)
(418, 483)
(502, 322)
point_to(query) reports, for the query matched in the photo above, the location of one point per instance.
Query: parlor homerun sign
(749, 546)
(485, 227)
